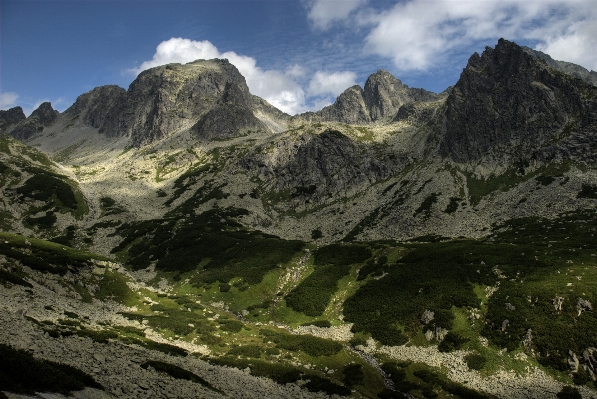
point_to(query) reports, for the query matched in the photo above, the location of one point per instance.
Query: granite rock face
(384, 95)
(566, 67)
(317, 167)
(94, 107)
(42, 117)
(349, 107)
(10, 118)
(200, 95)
(232, 115)
(509, 103)
(378, 101)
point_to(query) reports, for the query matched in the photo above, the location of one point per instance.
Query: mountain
(11, 117)
(378, 101)
(523, 109)
(39, 119)
(184, 237)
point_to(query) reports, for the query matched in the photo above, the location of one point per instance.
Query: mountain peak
(508, 98)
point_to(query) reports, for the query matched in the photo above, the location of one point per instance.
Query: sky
(297, 54)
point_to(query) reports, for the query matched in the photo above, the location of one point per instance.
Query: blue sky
(297, 54)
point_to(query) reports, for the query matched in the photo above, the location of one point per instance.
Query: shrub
(43, 186)
(178, 373)
(353, 375)
(569, 392)
(309, 344)
(230, 325)
(318, 323)
(20, 372)
(246, 351)
(451, 342)
(331, 262)
(475, 361)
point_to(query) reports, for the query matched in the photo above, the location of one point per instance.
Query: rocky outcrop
(210, 96)
(232, 116)
(384, 95)
(379, 101)
(94, 107)
(42, 117)
(510, 104)
(349, 107)
(566, 67)
(10, 118)
(315, 167)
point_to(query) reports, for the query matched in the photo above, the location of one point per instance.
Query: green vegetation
(283, 374)
(588, 191)
(212, 239)
(46, 187)
(353, 375)
(187, 179)
(478, 188)
(453, 205)
(21, 373)
(8, 278)
(309, 344)
(427, 203)
(43, 222)
(246, 351)
(318, 323)
(331, 263)
(43, 255)
(475, 361)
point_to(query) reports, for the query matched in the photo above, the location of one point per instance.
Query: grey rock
(384, 95)
(566, 67)
(508, 98)
(42, 117)
(94, 107)
(10, 118)
(427, 316)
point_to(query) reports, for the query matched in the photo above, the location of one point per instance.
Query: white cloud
(577, 44)
(8, 100)
(296, 71)
(322, 13)
(334, 83)
(278, 88)
(179, 50)
(418, 34)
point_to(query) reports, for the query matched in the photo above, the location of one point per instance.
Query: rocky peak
(42, 117)
(45, 114)
(379, 101)
(10, 118)
(566, 67)
(233, 115)
(508, 99)
(384, 95)
(168, 98)
(94, 107)
(349, 107)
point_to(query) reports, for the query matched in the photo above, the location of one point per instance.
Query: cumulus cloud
(419, 34)
(322, 13)
(331, 83)
(8, 100)
(279, 88)
(576, 44)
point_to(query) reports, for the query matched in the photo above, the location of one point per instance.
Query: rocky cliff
(42, 117)
(162, 100)
(378, 101)
(509, 104)
(10, 118)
